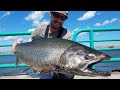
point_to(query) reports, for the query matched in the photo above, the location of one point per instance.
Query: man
(53, 30)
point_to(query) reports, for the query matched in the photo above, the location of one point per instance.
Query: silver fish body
(60, 56)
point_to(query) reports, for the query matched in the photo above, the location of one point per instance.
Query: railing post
(75, 35)
(91, 35)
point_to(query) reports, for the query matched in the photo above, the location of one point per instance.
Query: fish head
(81, 58)
(90, 59)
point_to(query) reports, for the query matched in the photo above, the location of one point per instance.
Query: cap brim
(61, 13)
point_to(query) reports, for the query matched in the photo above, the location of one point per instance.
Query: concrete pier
(114, 75)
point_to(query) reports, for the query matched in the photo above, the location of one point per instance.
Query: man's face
(57, 20)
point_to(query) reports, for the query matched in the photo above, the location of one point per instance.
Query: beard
(54, 26)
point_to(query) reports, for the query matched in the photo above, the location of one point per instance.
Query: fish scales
(60, 56)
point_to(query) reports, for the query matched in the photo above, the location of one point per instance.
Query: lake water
(108, 66)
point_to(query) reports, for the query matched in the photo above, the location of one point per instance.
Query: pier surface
(114, 75)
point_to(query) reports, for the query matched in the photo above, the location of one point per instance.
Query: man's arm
(35, 33)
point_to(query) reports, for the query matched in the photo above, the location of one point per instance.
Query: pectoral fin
(18, 61)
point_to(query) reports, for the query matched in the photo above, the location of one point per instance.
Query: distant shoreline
(108, 46)
(6, 52)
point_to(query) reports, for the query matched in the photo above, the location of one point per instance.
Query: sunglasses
(56, 15)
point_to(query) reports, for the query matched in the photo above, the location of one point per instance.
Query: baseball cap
(63, 12)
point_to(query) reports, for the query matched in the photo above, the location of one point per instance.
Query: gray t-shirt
(40, 31)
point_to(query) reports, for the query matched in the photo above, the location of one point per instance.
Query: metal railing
(9, 45)
(92, 41)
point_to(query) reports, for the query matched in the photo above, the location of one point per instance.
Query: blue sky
(27, 21)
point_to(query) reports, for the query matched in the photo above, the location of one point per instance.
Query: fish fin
(18, 61)
(34, 71)
(25, 69)
(36, 38)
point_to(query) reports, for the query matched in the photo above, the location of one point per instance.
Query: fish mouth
(90, 71)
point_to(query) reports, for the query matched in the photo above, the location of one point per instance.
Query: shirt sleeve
(39, 31)
(34, 33)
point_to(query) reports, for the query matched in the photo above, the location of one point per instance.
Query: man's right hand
(14, 45)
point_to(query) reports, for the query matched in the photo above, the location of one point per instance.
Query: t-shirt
(40, 31)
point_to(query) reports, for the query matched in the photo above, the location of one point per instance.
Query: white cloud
(97, 33)
(6, 13)
(82, 34)
(36, 16)
(106, 22)
(87, 27)
(98, 24)
(44, 22)
(87, 15)
(31, 30)
(9, 38)
(20, 39)
(76, 29)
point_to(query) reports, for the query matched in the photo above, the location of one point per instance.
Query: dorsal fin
(36, 38)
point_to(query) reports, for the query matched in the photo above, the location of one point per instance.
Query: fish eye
(89, 56)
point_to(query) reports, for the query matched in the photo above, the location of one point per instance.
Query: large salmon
(60, 56)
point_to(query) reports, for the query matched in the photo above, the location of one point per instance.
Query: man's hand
(14, 45)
